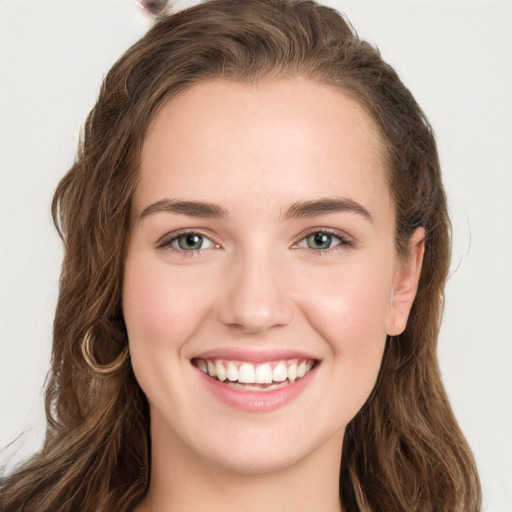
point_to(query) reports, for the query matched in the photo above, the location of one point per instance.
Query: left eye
(321, 241)
(191, 242)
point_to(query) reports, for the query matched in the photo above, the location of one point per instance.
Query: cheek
(349, 310)
(162, 309)
(349, 307)
(161, 312)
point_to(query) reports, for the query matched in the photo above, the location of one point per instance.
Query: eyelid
(346, 240)
(165, 241)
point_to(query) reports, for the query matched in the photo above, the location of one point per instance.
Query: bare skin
(263, 233)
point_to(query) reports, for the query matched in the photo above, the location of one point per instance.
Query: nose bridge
(255, 298)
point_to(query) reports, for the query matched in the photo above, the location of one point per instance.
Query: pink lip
(255, 401)
(255, 356)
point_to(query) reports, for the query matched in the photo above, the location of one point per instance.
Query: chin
(266, 447)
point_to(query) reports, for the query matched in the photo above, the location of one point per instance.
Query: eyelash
(166, 242)
(344, 241)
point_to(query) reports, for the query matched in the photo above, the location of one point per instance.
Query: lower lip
(256, 401)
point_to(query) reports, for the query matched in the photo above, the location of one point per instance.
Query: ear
(405, 284)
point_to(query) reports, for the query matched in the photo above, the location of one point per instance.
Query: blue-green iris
(319, 241)
(190, 242)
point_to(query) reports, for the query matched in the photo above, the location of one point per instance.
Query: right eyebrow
(191, 208)
(326, 205)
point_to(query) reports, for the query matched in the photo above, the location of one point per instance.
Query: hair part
(403, 450)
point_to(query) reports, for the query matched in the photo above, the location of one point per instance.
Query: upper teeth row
(247, 373)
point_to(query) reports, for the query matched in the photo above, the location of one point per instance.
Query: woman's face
(261, 275)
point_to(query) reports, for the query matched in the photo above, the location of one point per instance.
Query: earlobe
(405, 284)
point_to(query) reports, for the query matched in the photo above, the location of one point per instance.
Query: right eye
(189, 242)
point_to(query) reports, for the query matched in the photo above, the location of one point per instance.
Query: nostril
(255, 295)
(254, 315)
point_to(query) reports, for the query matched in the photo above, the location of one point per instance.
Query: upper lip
(254, 355)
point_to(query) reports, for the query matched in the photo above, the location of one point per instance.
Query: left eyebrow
(326, 205)
(190, 208)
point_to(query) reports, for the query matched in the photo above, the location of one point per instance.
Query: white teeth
(301, 369)
(202, 365)
(232, 372)
(263, 374)
(221, 371)
(211, 368)
(280, 373)
(246, 373)
(292, 372)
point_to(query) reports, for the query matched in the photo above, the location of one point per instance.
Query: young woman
(256, 246)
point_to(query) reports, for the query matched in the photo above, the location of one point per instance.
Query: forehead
(292, 137)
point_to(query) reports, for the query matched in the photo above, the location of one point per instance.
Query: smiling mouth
(255, 377)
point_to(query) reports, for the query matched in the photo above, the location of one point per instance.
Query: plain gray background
(455, 56)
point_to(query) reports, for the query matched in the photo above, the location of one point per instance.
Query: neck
(181, 481)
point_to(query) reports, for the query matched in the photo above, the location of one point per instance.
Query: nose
(255, 298)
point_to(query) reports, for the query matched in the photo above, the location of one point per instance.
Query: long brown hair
(403, 450)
